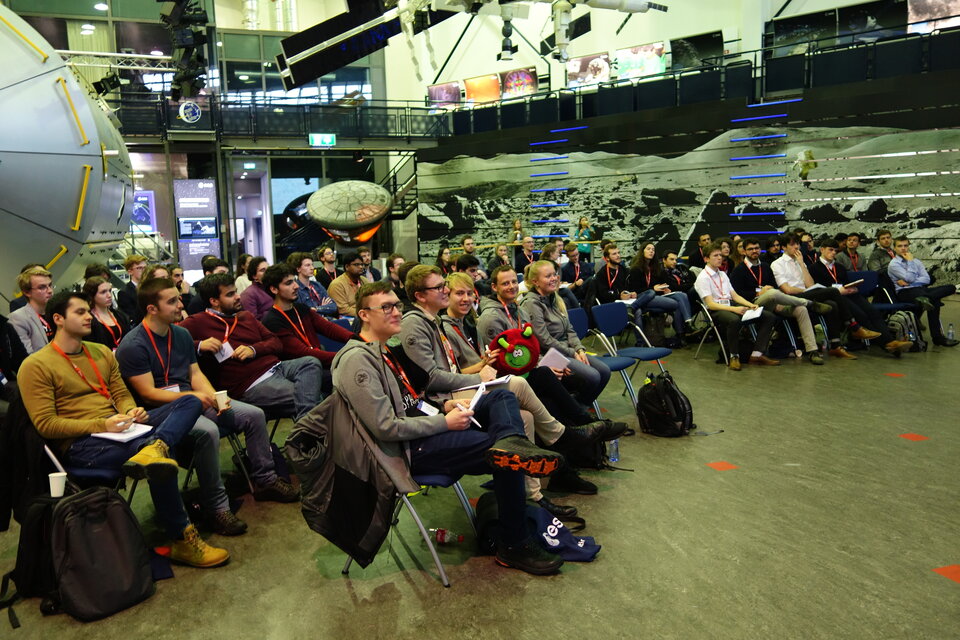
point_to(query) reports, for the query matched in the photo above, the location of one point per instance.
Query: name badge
(173, 387)
(427, 408)
(725, 303)
(837, 285)
(759, 290)
(3, 379)
(225, 352)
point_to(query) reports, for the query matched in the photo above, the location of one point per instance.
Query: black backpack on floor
(662, 409)
(33, 573)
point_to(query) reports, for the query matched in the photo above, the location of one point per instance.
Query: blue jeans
(171, 423)
(456, 453)
(295, 382)
(588, 381)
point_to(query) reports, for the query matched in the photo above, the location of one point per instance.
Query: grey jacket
(494, 321)
(29, 328)
(420, 338)
(879, 259)
(844, 260)
(463, 350)
(550, 324)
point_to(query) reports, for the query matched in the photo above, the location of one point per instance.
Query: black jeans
(732, 324)
(555, 397)
(841, 315)
(935, 294)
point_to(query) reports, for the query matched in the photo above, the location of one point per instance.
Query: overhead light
(358, 156)
(219, 43)
(87, 27)
(249, 165)
(243, 177)
(267, 64)
(101, 6)
(156, 52)
(239, 197)
(243, 77)
(86, 32)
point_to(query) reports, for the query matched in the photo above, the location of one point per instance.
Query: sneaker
(862, 333)
(152, 463)
(519, 454)
(278, 490)
(559, 510)
(529, 556)
(897, 347)
(945, 342)
(840, 352)
(226, 523)
(734, 363)
(600, 430)
(194, 552)
(821, 307)
(814, 357)
(568, 480)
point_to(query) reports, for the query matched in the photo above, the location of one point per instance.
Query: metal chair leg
(426, 538)
(234, 441)
(346, 566)
(629, 387)
(467, 507)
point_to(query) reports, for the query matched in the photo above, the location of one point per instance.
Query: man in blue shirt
(310, 292)
(911, 281)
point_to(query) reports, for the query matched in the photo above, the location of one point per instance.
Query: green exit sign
(323, 139)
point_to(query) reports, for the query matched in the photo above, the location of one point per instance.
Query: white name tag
(427, 409)
(725, 303)
(759, 290)
(225, 352)
(837, 285)
(174, 388)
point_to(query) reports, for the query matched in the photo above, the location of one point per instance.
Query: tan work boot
(734, 363)
(151, 462)
(193, 551)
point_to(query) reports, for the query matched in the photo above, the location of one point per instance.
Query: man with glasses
(32, 327)
(343, 289)
(135, 265)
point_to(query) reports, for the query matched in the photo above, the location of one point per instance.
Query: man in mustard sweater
(72, 390)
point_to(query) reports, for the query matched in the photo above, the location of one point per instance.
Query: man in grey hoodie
(439, 439)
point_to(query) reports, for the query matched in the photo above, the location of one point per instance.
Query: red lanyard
(506, 310)
(311, 291)
(854, 260)
(529, 258)
(759, 270)
(166, 367)
(719, 282)
(890, 253)
(103, 389)
(832, 270)
(724, 266)
(398, 371)
(648, 275)
(46, 326)
(301, 331)
(446, 345)
(576, 271)
(227, 328)
(609, 279)
(466, 339)
(115, 338)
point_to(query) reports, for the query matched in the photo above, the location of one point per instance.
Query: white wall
(309, 13)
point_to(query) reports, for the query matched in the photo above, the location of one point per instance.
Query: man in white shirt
(727, 308)
(793, 278)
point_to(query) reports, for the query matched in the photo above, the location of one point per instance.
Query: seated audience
(501, 256)
(310, 293)
(212, 265)
(73, 389)
(698, 257)
(611, 279)
(601, 261)
(444, 262)
(882, 253)
(243, 261)
(245, 354)
(255, 298)
(852, 258)
(109, 325)
(652, 287)
(370, 273)
(344, 287)
(727, 308)
(393, 264)
(773, 250)
(402, 272)
(912, 283)
(727, 265)
(470, 265)
(525, 256)
(575, 272)
(135, 264)
(12, 355)
(469, 248)
(328, 271)
(96, 269)
(807, 251)
(32, 327)
(183, 287)
(439, 438)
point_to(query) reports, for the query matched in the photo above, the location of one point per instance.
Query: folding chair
(238, 451)
(713, 325)
(435, 480)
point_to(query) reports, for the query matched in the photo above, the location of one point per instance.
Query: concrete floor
(830, 527)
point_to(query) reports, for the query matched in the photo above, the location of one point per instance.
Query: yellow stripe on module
(76, 116)
(83, 197)
(43, 55)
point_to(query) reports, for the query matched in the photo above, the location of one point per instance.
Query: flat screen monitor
(518, 82)
(872, 21)
(444, 95)
(644, 60)
(705, 49)
(928, 12)
(587, 70)
(482, 88)
(791, 35)
(190, 228)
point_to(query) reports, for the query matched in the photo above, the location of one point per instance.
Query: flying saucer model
(350, 211)
(66, 191)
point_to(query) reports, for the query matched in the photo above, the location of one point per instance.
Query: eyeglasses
(439, 287)
(355, 264)
(387, 307)
(43, 287)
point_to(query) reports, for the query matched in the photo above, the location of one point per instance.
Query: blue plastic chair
(430, 481)
(871, 282)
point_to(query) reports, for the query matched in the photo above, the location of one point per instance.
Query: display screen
(587, 70)
(143, 219)
(791, 35)
(874, 20)
(519, 82)
(928, 11)
(482, 88)
(189, 228)
(645, 60)
(697, 51)
(443, 95)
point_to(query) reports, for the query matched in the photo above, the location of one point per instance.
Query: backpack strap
(7, 601)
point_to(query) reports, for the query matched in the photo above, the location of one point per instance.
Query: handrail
(83, 197)
(76, 116)
(44, 56)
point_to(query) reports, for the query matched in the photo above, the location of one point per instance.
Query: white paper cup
(222, 400)
(58, 481)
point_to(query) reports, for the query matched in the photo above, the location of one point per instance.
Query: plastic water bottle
(911, 336)
(613, 450)
(951, 333)
(445, 536)
(824, 347)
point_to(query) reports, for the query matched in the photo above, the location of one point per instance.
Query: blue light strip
(773, 135)
(770, 104)
(776, 115)
(548, 189)
(760, 213)
(750, 233)
(553, 173)
(559, 236)
(759, 175)
(546, 221)
(553, 158)
(569, 129)
(758, 195)
(561, 204)
(772, 155)
(536, 144)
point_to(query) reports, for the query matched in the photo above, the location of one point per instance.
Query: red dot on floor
(916, 437)
(895, 375)
(722, 466)
(951, 571)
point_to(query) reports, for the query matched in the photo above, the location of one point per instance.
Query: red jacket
(236, 376)
(313, 323)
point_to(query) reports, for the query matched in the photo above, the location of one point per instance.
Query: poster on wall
(482, 88)
(637, 62)
(198, 229)
(587, 70)
(791, 35)
(519, 82)
(928, 13)
(871, 21)
(444, 95)
(143, 218)
(705, 49)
